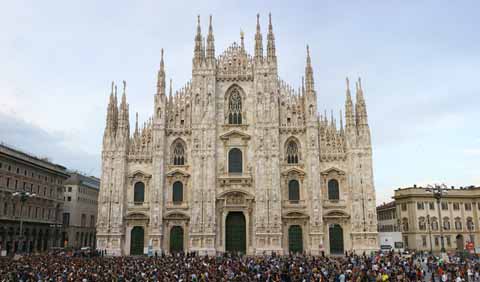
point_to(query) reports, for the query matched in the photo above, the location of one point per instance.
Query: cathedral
(238, 161)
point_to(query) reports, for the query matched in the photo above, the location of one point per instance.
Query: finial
(198, 19)
(161, 59)
(258, 22)
(115, 91)
(270, 22)
(360, 83)
(348, 83)
(124, 86)
(171, 88)
(111, 92)
(241, 39)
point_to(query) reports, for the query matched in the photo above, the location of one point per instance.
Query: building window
(178, 154)
(92, 221)
(84, 220)
(235, 161)
(424, 241)
(449, 240)
(446, 223)
(437, 239)
(405, 224)
(293, 190)
(444, 206)
(139, 192)
(292, 152)
(8, 182)
(420, 205)
(404, 207)
(66, 219)
(421, 223)
(458, 224)
(333, 190)
(431, 206)
(456, 206)
(468, 206)
(177, 192)
(470, 224)
(70, 189)
(434, 223)
(235, 107)
(69, 199)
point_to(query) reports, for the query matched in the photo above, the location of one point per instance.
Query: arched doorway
(235, 233)
(295, 239)
(137, 237)
(335, 233)
(176, 239)
(460, 243)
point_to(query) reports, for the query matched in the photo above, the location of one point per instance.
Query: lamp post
(23, 196)
(438, 192)
(430, 233)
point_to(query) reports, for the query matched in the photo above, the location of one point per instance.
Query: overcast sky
(419, 61)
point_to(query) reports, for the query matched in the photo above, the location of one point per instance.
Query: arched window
(458, 223)
(421, 223)
(446, 223)
(405, 224)
(139, 192)
(235, 164)
(292, 152)
(293, 190)
(469, 223)
(333, 190)
(434, 223)
(177, 192)
(178, 153)
(235, 107)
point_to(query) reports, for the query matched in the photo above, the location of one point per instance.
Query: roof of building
(418, 191)
(388, 205)
(76, 178)
(15, 153)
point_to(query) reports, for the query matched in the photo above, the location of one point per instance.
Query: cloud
(32, 139)
(472, 151)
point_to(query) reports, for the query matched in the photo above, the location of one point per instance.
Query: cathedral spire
(258, 42)
(161, 77)
(198, 51)
(136, 125)
(271, 54)
(210, 43)
(349, 116)
(360, 106)
(309, 74)
(242, 36)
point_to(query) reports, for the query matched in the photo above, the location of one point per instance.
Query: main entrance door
(235, 233)
(295, 239)
(176, 239)
(335, 234)
(137, 241)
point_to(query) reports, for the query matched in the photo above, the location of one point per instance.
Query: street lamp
(438, 192)
(24, 196)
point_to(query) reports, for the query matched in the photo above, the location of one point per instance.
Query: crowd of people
(190, 267)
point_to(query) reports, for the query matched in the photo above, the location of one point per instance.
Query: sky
(419, 62)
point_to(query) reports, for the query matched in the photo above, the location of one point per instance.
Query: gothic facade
(237, 160)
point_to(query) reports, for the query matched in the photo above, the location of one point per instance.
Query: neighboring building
(80, 210)
(237, 160)
(41, 214)
(389, 233)
(421, 220)
(387, 217)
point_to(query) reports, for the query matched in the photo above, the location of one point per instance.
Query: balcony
(171, 205)
(294, 204)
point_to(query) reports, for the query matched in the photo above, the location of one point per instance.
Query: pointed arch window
(292, 152)
(235, 107)
(333, 190)
(235, 162)
(293, 191)
(177, 193)
(178, 154)
(139, 193)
